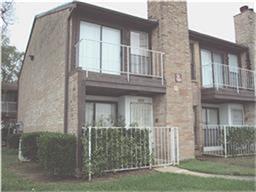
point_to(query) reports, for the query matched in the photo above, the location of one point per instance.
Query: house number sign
(178, 77)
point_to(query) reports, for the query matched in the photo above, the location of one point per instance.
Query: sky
(210, 17)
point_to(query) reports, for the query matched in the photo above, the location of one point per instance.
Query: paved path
(172, 169)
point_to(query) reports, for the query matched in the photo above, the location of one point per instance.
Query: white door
(89, 49)
(206, 62)
(111, 54)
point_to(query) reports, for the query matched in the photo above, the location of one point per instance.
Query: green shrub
(56, 153)
(115, 148)
(13, 141)
(29, 145)
(241, 140)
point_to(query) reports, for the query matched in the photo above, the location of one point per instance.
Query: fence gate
(165, 146)
(115, 149)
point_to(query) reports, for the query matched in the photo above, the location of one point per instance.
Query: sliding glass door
(111, 50)
(140, 60)
(99, 49)
(206, 61)
(89, 49)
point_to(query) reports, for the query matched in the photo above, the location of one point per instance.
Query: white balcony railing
(225, 76)
(118, 59)
(9, 107)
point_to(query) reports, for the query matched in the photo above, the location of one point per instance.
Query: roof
(211, 40)
(149, 23)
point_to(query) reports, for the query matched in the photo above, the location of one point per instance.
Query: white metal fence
(229, 140)
(225, 76)
(115, 149)
(105, 57)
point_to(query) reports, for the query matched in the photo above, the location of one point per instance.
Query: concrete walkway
(178, 170)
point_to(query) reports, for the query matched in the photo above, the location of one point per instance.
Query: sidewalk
(172, 169)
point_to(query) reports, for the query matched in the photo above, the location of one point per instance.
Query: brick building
(84, 63)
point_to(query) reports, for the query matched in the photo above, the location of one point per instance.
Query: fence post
(177, 145)
(89, 153)
(173, 157)
(225, 141)
(150, 146)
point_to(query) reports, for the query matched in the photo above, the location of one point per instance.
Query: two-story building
(86, 64)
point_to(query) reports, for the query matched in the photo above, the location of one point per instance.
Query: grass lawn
(229, 166)
(18, 176)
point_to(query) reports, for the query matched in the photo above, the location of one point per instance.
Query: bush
(241, 140)
(29, 145)
(7, 130)
(115, 148)
(56, 153)
(13, 141)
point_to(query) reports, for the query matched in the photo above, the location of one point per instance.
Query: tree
(11, 57)
(11, 61)
(6, 14)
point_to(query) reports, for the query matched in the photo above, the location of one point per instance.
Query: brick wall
(41, 83)
(171, 37)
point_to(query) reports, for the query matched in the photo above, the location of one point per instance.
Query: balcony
(9, 107)
(224, 82)
(118, 66)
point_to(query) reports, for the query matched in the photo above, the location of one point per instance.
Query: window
(233, 70)
(99, 49)
(212, 63)
(139, 55)
(141, 114)
(206, 62)
(100, 114)
(237, 117)
(210, 116)
(192, 62)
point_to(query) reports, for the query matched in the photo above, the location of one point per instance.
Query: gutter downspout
(67, 72)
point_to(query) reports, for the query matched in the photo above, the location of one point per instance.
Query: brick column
(171, 37)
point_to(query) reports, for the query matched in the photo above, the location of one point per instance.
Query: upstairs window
(140, 60)
(99, 48)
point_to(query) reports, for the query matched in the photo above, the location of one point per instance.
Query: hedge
(13, 141)
(29, 145)
(114, 148)
(56, 153)
(241, 140)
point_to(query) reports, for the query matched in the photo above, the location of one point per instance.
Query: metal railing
(130, 148)
(105, 57)
(224, 76)
(9, 106)
(229, 140)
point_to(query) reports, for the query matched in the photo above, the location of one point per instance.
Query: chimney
(171, 37)
(245, 31)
